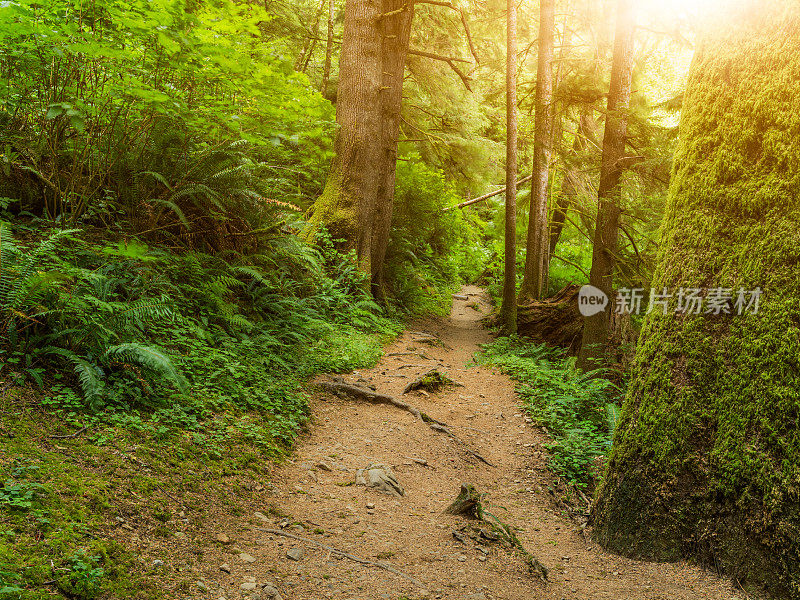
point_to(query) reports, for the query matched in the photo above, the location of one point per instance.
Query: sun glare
(685, 9)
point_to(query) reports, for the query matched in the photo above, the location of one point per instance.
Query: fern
(148, 357)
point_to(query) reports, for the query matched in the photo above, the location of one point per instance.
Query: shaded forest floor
(313, 496)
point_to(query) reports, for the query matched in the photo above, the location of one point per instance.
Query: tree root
(338, 387)
(470, 502)
(431, 381)
(347, 555)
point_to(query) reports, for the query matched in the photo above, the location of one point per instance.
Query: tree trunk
(356, 204)
(537, 255)
(609, 192)
(396, 34)
(705, 461)
(508, 308)
(326, 73)
(301, 64)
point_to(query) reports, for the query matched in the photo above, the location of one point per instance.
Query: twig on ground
(352, 557)
(71, 436)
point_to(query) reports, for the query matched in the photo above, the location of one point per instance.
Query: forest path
(411, 533)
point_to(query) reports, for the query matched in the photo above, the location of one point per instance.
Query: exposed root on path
(347, 555)
(470, 503)
(356, 391)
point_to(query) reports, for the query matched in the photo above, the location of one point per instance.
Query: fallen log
(556, 321)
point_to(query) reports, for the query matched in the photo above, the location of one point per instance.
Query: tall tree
(356, 203)
(537, 254)
(326, 71)
(705, 460)
(609, 191)
(509, 305)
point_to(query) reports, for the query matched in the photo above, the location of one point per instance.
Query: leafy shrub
(431, 252)
(575, 407)
(198, 342)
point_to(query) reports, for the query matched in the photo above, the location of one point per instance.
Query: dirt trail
(411, 533)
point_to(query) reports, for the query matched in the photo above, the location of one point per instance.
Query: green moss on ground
(707, 455)
(88, 501)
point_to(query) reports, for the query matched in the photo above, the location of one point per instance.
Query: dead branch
(486, 196)
(450, 61)
(71, 436)
(467, 31)
(347, 555)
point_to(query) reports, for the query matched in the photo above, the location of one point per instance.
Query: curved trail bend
(411, 534)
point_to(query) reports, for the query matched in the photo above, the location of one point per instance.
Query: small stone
(323, 466)
(245, 557)
(370, 506)
(294, 553)
(249, 586)
(225, 568)
(482, 558)
(270, 592)
(201, 586)
(478, 596)
(261, 516)
(462, 558)
(222, 538)
(158, 563)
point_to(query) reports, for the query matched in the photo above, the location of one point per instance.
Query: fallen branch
(347, 555)
(486, 196)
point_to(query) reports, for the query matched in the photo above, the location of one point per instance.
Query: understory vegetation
(160, 316)
(577, 409)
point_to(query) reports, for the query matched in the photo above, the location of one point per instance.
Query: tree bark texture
(356, 203)
(508, 309)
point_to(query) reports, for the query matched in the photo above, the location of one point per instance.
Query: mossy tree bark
(706, 459)
(356, 203)
(609, 191)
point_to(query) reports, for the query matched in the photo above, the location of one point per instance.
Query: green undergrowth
(577, 408)
(175, 372)
(118, 510)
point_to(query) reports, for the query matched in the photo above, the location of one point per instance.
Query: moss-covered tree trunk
(706, 460)
(356, 203)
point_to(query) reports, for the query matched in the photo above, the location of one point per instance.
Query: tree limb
(450, 61)
(486, 196)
